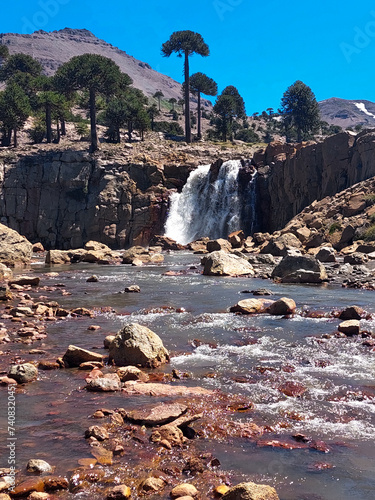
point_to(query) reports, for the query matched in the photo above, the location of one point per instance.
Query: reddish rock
(27, 486)
(54, 483)
(282, 307)
(155, 389)
(98, 432)
(292, 389)
(158, 415)
(320, 446)
(184, 489)
(120, 492)
(108, 383)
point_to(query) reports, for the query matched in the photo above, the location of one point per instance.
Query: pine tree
(228, 107)
(14, 111)
(158, 95)
(202, 84)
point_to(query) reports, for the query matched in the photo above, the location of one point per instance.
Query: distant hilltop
(347, 113)
(52, 49)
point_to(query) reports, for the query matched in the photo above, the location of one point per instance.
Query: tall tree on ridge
(158, 95)
(300, 109)
(202, 84)
(98, 75)
(186, 43)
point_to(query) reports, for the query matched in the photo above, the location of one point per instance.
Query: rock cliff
(293, 176)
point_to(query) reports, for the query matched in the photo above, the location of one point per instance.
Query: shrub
(369, 234)
(369, 198)
(336, 226)
(169, 128)
(247, 135)
(82, 130)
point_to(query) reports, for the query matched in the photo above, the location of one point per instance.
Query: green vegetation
(369, 234)
(228, 108)
(300, 111)
(202, 84)
(369, 198)
(336, 226)
(169, 128)
(185, 44)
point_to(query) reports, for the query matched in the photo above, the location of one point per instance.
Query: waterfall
(206, 206)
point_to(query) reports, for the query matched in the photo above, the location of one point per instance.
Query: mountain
(55, 48)
(348, 113)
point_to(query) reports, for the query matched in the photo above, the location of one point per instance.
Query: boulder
(355, 205)
(157, 415)
(74, 356)
(299, 269)
(120, 492)
(166, 243)
(261, 259)
(137, 345)
(352, 312)
(219, 244)
(24, 373)
(25, 281)
(109, 383)
(58, 257)
(236, 239)
(280, 245)
(223, 264)
(326, 254)
(184, 489)
(251, 306)
(96, 246)
(282, 307)
(356, 259)
(132, 289)
(131, 373)
(251, 491)
(350, 327)
(14, 248)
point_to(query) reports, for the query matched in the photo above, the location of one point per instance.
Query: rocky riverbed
(260, 380)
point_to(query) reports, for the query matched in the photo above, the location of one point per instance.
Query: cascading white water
(205, 208)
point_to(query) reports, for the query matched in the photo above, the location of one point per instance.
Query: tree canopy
(229, 106)
(185, 44)
(202, 84)
(300, 110)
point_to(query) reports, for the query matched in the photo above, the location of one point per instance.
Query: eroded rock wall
(64, 199)
(292, 177)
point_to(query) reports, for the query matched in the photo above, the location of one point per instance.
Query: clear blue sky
(261, 47)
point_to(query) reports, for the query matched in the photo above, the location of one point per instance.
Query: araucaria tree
(96, 74)
(202, 84)
(229, 106)
(185, 44)
(300, 110)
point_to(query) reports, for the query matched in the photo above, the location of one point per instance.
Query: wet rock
(350, 327)
(261, 291)
(221, 263)
(40, 466)
(172, 434)
(120, 492)
(132, 289)
(184, 489)
(320, 446)
(7, 381)
(326, 254)
(194, 466)
(356, 259)
(38, 495)
(292, 389)
(282, 307)
(82, 311)
(108, 340)
(21, 311)
(98, 432)
(5, 272)
(219, 244)
(158, 415)
(137, 345)
(14, 248)
(25, 281)
(299, 269)
(251, 491)
(103, 456)
(109, 383)
(24, 373)
(220, 490)
(74, 356)
(352, 312)
(92, 279)
(156, 389)
(27, 486)
(251, 306)
(151, 485)
(5, 293)
(132, 373)
(90, 365)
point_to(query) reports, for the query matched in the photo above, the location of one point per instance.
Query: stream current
(247, 355)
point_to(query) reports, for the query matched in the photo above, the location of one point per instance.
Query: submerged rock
(221, 263)
(137, 345)
(251, 491)
(40, 466)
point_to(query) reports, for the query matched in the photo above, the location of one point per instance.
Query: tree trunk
(299, 139)
(63, 127)
(48, 123)
(58, 131)
(130, 130)
(15, 138)
(199, 116)
(187, 100)
(94, 134)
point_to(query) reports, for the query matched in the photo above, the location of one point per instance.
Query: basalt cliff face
(293, 176)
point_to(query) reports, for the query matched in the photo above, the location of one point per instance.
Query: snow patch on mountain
(361, 106)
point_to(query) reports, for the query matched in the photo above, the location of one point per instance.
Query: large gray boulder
(74, 356)
(14, 248)
(280, 245)
(251, 491)
(299, 269)
(221, 263)
(138, 346)
(24, 373)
